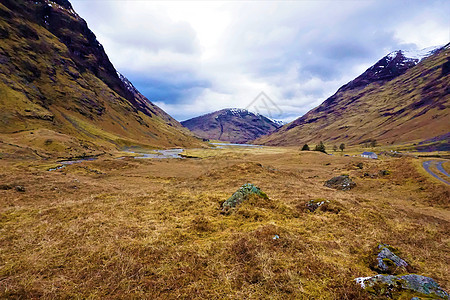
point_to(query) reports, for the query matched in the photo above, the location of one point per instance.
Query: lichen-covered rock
(402, 287)
(342, 182)
(243, 193)
(387, 261)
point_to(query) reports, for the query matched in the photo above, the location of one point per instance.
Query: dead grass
(153, 228)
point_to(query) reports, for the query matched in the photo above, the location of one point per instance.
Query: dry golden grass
(128, 228)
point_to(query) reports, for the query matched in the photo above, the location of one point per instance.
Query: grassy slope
(42, 87)
(89, 231)
(411, 107)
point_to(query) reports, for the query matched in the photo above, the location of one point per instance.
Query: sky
(278, 58)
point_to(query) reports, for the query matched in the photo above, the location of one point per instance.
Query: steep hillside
(231, 125)
(402, 98)
(56, 79)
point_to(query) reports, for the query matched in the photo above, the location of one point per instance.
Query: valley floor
(148, 228)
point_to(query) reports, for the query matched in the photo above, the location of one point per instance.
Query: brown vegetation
(128, 228)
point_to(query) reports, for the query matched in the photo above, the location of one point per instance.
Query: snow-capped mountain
(391, 66)
(234, 125)
(404, 97)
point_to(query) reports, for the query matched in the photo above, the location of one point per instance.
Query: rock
(401, 287)
(20, 188)
(243, 193)
(360, 165)
(312, 205)
(342, 182)
(387, 261)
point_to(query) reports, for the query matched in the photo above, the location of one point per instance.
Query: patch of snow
(421, 54)
(392, 55)
(280, 123)
(414, 55)
(127, 83)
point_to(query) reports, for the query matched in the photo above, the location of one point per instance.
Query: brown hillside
(412, 106)
(56, 77)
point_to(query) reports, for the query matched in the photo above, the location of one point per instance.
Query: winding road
(442, 175)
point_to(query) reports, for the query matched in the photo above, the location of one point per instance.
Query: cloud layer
(192, 58)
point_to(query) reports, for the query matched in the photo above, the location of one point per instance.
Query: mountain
(57, 83)
(231, 125)
(404, 97)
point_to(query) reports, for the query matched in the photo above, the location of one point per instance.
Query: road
(442, 175)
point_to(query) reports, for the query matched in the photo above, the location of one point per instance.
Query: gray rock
(395, 286)
(243, 193)
(342, 182)
(387, 262)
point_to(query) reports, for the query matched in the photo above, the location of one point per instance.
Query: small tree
(320, 147)
(305, 147)
(342, 147)
(373, 143)
(335, 148)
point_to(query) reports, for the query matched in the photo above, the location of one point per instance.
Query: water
(161, 154)
(71, 162)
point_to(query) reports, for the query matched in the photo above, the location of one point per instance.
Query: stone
(20, 188)
(312, 205)
(402, 286)
(387, 261)
(342, 182)
(242, 194)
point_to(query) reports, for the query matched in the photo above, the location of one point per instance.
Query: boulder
(342, 182)
(402, 287)
(242, 194)
(387, 261)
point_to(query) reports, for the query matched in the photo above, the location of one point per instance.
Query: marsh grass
(153, 228)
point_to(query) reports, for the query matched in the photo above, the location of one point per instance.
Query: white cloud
(207, 56)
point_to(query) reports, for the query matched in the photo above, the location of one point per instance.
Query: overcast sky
(191, 58)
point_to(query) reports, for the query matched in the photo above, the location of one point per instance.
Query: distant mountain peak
(390, 66)
(234, 125)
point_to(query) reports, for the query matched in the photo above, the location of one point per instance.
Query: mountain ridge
(368, 107)
(56, 76)
(234, 125)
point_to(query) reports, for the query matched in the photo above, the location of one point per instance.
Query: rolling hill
(231, 125)
(59, 92)
(404, 97)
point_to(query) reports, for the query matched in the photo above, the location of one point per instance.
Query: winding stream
(71, 162)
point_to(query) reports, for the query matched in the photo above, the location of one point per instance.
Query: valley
(104, 195)
(153, 228)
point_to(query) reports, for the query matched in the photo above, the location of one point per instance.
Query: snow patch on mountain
(414, 55)
(127, 83)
